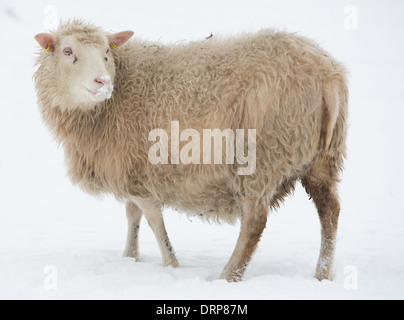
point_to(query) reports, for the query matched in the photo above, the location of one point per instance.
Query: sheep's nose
(103, 80)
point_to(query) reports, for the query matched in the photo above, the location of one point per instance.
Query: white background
(45, 221)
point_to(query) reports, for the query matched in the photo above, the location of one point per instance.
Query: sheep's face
(87, 71)
(84, 67)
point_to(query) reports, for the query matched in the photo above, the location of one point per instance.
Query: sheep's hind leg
(253, 223)
(154, 217)
(134, 215)
(321, 185)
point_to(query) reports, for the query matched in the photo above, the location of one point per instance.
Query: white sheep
(104, 98)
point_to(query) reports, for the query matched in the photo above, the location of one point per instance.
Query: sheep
(102, 96)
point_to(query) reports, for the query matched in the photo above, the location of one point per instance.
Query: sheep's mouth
(91, 91)
(103, 93)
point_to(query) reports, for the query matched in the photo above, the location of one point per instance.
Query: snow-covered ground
(57, 242)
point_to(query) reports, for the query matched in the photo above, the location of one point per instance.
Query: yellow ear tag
(113, 45)
(48, 48)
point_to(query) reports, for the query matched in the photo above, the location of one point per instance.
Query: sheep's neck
(87, 131)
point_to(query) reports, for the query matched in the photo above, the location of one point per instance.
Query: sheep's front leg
(154, 217)
(253, 223)
(134, 215)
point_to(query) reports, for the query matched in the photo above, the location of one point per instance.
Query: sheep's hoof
(231, 277)
(173, 263)
(132, 255)
(322, 275)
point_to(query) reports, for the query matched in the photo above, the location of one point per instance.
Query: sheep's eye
(106, 57)
(67, 51)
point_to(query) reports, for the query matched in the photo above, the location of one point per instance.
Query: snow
(107, 89)
(58, 243)
(105, 78)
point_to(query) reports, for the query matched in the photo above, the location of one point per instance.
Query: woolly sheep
(102, 96)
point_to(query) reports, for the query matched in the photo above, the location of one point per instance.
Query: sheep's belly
(213, 205)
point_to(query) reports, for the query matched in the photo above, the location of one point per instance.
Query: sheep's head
(77, 68)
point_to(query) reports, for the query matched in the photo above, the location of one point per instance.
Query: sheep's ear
(118, 39)
(46, 41)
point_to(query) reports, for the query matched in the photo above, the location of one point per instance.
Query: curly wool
(283, 85)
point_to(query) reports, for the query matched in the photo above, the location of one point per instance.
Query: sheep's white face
(85, 72)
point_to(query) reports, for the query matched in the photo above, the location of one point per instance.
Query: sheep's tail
(334, 106)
